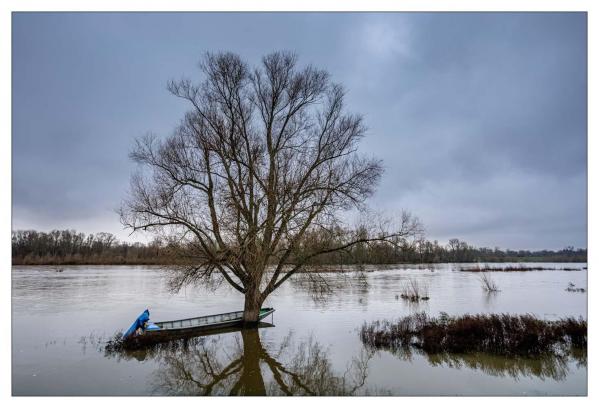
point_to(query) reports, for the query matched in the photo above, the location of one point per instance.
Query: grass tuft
(488, 283)
(413, 291)
(572, 288)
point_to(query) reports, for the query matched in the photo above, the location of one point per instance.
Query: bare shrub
(414, 291)
(488, 284)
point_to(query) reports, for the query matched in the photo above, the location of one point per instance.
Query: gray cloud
(479, 118)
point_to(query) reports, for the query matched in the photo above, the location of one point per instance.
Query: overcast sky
(480, 119)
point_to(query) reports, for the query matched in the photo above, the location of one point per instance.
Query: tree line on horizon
(69, 247)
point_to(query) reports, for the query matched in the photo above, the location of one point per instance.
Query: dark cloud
(480, 118)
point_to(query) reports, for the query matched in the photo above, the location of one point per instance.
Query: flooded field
(312, 346)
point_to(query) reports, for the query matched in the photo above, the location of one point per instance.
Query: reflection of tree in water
(544, 366)
(309, 372)
(214, 366)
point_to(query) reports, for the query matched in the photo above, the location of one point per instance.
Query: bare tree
(264, 157)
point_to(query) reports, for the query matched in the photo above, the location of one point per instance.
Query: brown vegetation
(494, 333)
(572, 288)
(488, 283)
(69, 247)
(413, 291)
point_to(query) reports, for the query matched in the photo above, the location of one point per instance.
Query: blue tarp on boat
(152, 326)
(138, 323)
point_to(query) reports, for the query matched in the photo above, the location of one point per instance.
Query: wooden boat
(142, 347)
(195, 326)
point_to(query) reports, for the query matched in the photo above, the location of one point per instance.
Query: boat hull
(172, 333)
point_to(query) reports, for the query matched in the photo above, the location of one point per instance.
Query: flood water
(61, 319)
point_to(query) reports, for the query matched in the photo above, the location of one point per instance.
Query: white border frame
(7, 6)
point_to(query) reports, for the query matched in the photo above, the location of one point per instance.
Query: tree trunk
(253, 303)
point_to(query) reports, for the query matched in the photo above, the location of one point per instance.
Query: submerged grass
(501, 334)
(135, 347)
(572, 288)
(413, 291)
(116, 343)
(488, 283)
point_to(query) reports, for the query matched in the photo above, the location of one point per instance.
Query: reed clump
(501, 334)
(572, 288)
(413, 291)
(118, 343)
(488, 283)
(115, 343)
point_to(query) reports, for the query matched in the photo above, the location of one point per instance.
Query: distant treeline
(68, 247)
(425, 251)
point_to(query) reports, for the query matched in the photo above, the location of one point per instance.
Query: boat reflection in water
(240, 364)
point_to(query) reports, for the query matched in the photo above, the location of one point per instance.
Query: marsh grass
(501, 334)
(136, 347)
(118, 344)
(413, 291)
(572, 288)
(488, 284)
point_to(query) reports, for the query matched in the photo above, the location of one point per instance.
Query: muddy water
(61, 319)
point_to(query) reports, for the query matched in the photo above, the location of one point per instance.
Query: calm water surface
(61, 319)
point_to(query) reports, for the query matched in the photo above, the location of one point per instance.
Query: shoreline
(322, 268)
